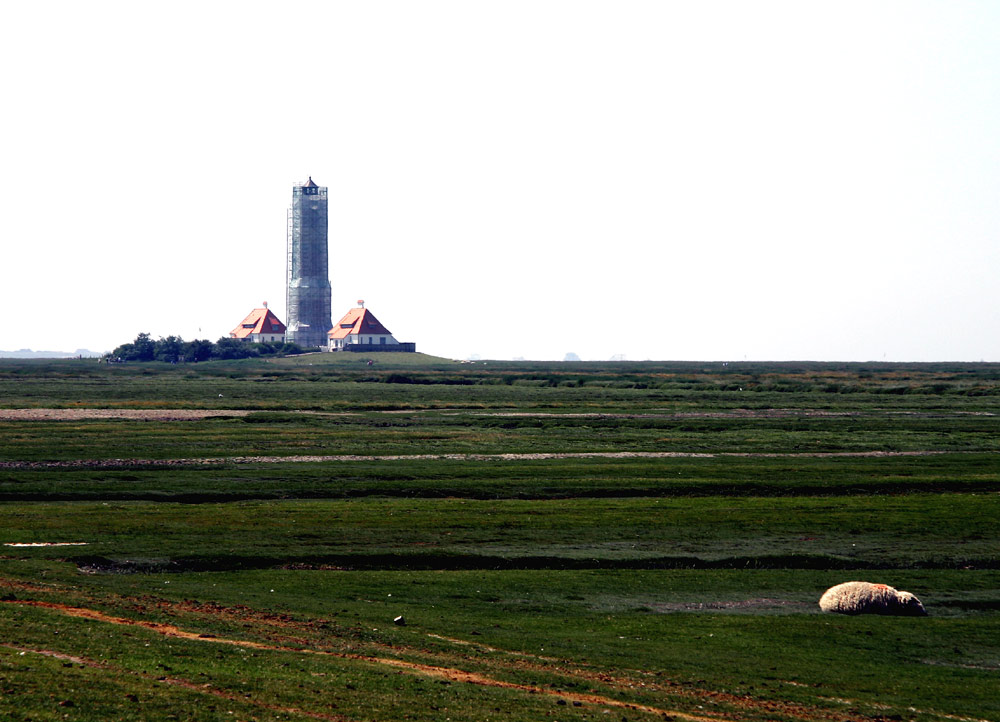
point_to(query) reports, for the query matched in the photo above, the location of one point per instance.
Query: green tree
(142, 349)
(169, 349)
(199, 350)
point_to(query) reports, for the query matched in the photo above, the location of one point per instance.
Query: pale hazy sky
(662, 180)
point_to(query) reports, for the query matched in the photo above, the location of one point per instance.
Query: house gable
(358, 322)
(260, 322)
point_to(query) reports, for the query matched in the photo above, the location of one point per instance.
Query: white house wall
(364, 338)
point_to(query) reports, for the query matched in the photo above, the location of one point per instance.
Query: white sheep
(868, 598)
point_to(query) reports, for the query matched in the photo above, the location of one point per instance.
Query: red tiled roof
(260, 320)
(358, 321)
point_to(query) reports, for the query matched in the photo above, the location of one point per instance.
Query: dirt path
(449, 673)
(513, 661)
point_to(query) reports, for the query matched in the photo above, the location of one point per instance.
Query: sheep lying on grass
(868, 598)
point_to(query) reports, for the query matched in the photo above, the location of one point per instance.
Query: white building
(261, 326)
(359, 327)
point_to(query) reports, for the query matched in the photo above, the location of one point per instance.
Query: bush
(174, 349)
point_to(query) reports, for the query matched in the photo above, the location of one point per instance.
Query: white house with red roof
(261, 326)
(359, 329)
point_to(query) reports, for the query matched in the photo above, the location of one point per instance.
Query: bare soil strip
(82, 414)
(312, 459)
(735, 702)
(79, 414)
(741, 604)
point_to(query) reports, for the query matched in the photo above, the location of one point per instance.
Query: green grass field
(563, 541)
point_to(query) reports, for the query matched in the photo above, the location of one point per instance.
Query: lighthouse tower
(307, 290)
